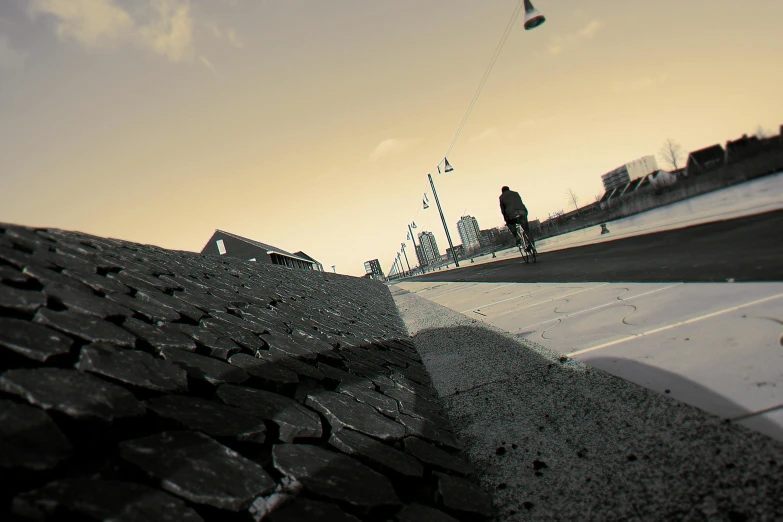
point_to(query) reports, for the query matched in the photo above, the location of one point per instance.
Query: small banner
(424, 202)
(447, 168)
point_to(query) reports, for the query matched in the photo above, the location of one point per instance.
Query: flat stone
(414, 387)
(93, 499)
(292, 419)
(151, 311)
(197, 468)
(23, 260)
(29, 438)
(274, 376)
(70, 260)
(205, 368)
(84, 302)
(167, 301)
(213, 418)
(423, 411)
(336, 476)
(12, 275)
(139, 281)
(302, 369)
(407, 398)
(422, 513)
(366, 448)
(85, 327)
(27, 301)
(201, 300)
(340, 376)
(50, 277)
(380, 402)
(459, 495)
(417, 376)
(32, 340)
(71, 392)
(436, 457)
(219, 346)
(132, 367)
(302, 508)
(98, 282)
(343, 411)
(428, 431)
(159, 337)
(251, 326)
(235, 333)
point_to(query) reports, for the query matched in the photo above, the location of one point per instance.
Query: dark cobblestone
(85, 327)
(29, 439)
(199, 469)
(103, 500)
(132, 367)
(72, 392)
(335, 476)
(213, 418)
(278, 365)
(206, 368)
(32, 340)
(344, 411)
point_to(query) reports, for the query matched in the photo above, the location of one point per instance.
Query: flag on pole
(424, 202)
(447, 167)
(439, 172)
(409, 236)
(413, 225)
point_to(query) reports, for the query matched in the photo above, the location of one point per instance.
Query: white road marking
(675, 325)
(616, 301)
(552, 299)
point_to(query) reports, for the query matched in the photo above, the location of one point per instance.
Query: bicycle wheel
(522, 246)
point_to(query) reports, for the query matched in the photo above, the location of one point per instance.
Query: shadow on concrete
(682, 389)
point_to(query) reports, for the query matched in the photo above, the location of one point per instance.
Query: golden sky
(311, 125)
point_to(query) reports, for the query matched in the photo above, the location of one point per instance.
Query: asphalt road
(743, 249)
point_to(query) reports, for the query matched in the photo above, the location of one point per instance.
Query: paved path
(742, 249)
(558, 440)
(715, 346)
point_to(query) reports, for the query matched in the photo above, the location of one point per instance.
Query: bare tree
(671, 153)
(762, 133)
(573, 199)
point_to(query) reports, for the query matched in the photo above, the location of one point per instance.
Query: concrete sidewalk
(714, 346)
(557, 439)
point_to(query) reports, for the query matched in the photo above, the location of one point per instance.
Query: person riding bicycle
(514, 211)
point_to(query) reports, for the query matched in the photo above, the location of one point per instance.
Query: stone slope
(138, 383)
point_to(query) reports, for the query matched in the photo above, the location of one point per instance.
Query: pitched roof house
(705, 159)
(225, 243)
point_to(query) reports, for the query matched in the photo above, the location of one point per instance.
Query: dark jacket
(511, 205)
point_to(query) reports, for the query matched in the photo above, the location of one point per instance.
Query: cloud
(591, 29)
(388, 147)
(234, 39)
(486, 134)
(640, 84)
(204, 60)
(560, 43)
(164, 27)
(10, 57)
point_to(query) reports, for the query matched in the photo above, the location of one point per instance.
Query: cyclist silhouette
(514, 211)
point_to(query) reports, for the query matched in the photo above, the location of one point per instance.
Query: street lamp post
(406, 257)
(413, 239)
(443, 219)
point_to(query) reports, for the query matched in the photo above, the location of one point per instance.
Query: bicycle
(526, 248)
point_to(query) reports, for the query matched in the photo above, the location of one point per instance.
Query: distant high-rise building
(616, 178)
(469, 232)
(373, 268)
(641, 167)
(429, 247)
(632, 170)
